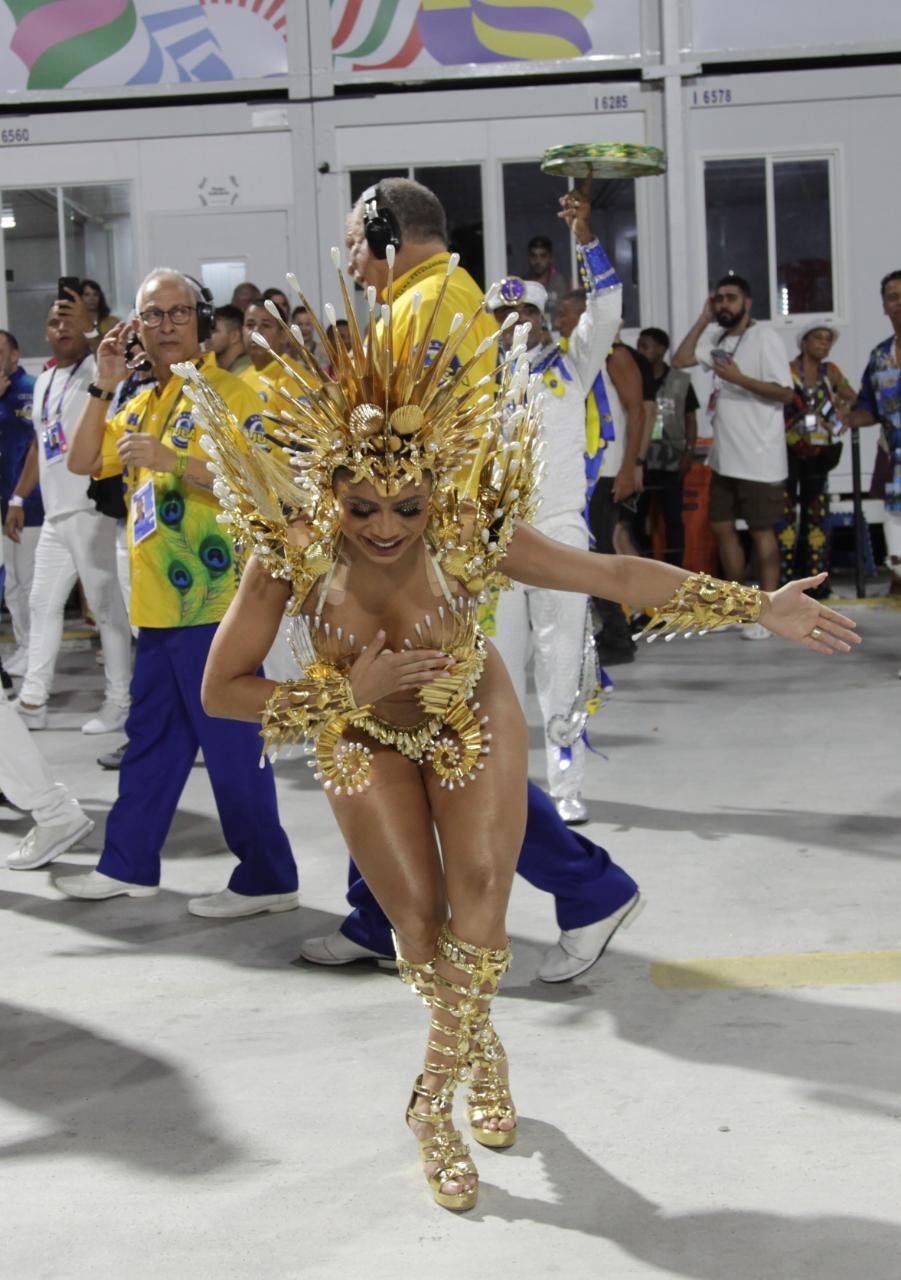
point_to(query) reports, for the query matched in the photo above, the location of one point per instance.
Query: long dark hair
(102, 306)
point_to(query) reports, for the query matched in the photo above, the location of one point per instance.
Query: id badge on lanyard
(143, 512)
(53, 438)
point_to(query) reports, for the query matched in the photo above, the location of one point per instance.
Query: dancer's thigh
(389, 832)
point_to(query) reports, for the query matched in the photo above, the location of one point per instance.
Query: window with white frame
(55, 231)
(770, 219)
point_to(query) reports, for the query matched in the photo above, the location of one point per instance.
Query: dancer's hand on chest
(378, 672)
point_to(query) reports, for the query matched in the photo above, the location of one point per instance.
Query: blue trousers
(165, 727)
(586, 883)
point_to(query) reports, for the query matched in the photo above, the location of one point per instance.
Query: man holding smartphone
(751, 383)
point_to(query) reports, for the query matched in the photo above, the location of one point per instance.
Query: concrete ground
(184, 1099)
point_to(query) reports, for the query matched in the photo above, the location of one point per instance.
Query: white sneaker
(755, 631)
(228, 905)
(109, 719)
(35, 717)
(572, 809)
(94, 885)
(577, 950)
(44, 843)
(336, 948)
(17, 665)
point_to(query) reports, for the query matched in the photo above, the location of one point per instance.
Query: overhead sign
(106, 44)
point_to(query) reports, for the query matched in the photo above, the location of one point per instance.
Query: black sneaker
(6, 679)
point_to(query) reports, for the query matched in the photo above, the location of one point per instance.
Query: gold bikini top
(320, 708)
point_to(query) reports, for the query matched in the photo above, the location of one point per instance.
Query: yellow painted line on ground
(877, 602)
(810, 969)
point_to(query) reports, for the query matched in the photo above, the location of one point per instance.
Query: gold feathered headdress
(387, 410)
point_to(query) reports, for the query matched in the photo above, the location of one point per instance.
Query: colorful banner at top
(425, 38)
(102, 44)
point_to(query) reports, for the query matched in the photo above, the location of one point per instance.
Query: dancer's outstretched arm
(539, 561)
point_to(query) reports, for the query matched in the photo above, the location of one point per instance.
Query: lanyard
(175, 403)
(45, 419)
(717, 381)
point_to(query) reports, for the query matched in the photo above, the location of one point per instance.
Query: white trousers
(19, 560)
(891, 527)
(550, 625)
(80, 545)
(24, 776)
(123, 567)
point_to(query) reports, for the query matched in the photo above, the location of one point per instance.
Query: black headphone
(380, 227)
(206, 310)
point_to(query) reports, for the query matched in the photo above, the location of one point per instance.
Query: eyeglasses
(153, 317)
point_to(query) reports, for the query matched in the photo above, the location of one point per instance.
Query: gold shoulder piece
(701, 604)
(318, 709)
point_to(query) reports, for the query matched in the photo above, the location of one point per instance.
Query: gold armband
(702, 604)
(319, 709)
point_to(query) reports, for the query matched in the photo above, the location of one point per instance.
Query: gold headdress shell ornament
(392, 412)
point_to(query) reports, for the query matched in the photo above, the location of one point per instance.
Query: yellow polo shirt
(463, 295)
(183, 564)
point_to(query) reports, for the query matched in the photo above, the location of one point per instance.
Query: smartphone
(64, 283)
(720, 353)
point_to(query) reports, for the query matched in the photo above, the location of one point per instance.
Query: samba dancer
(358, 529)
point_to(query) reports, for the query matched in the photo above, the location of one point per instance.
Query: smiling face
(384, 529)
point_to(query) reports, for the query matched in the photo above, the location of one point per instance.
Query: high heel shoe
(489, 1092)
(445, 1149)
(461, 1039)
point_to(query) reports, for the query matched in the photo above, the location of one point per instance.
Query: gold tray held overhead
(603, 160)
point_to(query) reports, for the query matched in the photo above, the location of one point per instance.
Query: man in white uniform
(751, 383)
(553, 623)
(76, 541)
(27, 783)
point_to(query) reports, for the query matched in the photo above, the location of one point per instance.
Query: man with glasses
(183, 573)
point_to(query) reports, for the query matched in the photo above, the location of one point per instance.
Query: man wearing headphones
(183, 573)
(403, 214)
(593, 895)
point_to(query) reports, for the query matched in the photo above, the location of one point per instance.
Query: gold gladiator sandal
(444, 1148)
(489, 1094)
(489, 1091)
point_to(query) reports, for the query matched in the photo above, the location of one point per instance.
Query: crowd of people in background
(627, 438)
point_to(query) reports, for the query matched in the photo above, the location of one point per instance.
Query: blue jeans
(165, 727)
(586, 883)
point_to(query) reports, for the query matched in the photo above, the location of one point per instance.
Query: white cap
(816, 324)
(513, 291)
